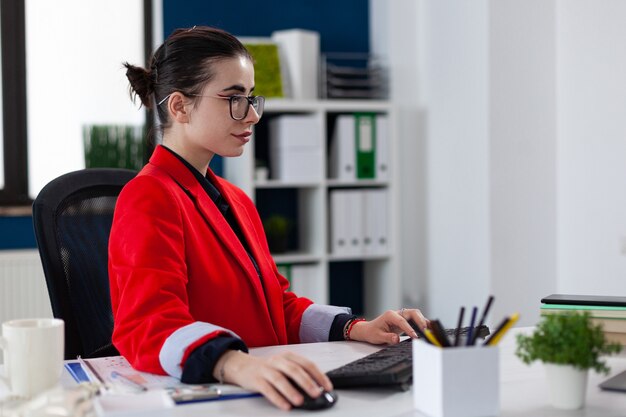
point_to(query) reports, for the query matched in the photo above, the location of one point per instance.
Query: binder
(365, 139)
(375, 222)
(338, 223)
(305, 281)
(299, 50)
(286, 271)
(342, 158)
(382, 147)
(354, 225)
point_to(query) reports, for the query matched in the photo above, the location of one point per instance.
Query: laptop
(616, 383)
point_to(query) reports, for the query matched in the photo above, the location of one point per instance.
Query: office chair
(72, 218)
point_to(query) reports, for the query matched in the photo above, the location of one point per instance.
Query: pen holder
(456, 381)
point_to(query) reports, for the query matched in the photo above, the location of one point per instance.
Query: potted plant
(277, 231)
(568, 345)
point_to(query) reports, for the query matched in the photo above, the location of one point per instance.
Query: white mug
(33, 355)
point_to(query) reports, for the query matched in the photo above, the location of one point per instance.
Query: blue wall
(16, 232)
(343, 24)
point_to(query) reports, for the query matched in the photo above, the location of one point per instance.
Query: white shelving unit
(381, 283)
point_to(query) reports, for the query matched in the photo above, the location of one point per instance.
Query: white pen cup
(33, 355)
(456, 381)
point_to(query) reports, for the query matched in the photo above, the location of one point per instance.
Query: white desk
(524, 391)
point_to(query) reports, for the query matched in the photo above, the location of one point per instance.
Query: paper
(108, 366)
(130, 390)
(119, 404)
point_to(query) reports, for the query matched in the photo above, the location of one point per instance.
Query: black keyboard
(390, 366)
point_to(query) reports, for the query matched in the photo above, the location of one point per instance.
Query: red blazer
(179, 275)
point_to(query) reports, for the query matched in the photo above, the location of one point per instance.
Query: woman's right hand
(270, 376)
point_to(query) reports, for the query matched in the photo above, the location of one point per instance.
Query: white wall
(522, 155)
(455, 98)
(389, 29)
(592, 147)
(522, 105)
(75, 51)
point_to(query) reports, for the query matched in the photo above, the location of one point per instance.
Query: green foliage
(114, 146)
(567, 339)
(267, 75)
(278, 225)
(277, 230)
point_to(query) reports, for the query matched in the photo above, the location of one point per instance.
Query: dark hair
(182, 63)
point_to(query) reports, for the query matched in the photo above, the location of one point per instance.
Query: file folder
(338, 223)
(382, 147)
(375, 223)
(365, 130)
(342, 158)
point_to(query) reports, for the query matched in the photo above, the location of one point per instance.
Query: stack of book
(607, 311)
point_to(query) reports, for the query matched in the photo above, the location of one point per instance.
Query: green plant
(277, 231)
(567, 339)
(114, 146)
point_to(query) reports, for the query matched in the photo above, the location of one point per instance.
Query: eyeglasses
(239, 105)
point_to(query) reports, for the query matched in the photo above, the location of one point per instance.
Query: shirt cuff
(317, 321)
(336, 329)
(199, 365)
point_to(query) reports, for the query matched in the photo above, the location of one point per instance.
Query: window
(75, 77)
(74, 52)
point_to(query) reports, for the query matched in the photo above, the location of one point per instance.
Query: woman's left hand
(387, 327)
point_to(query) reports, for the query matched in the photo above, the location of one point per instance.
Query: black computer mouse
(326, 400)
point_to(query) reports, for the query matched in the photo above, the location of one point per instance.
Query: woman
(193, 284)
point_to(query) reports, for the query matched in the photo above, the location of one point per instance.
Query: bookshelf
(367, 282)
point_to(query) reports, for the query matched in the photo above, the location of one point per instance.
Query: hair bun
(141, 83)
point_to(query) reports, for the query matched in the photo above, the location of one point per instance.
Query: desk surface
(524, 390)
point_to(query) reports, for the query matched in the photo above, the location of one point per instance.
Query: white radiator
(23, 291)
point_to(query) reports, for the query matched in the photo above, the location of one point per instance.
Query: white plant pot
(568, 386)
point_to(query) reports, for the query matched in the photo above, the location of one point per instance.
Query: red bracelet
(350, 325)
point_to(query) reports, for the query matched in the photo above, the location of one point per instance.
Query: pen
(421, 334)
(439, 333)
(431, 338)
(501, 330)
(483, 317)
(129, 381)
(85, 364)
(470, 331)
(457, 333)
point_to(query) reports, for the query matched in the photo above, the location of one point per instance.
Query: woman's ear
(177, 107)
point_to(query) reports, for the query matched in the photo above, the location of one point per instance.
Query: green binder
(365, 141)
(285, 270)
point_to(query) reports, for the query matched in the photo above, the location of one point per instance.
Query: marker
(457, 333)
(501, 330)
(470, 332)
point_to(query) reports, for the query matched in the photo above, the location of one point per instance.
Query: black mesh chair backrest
(72, 218)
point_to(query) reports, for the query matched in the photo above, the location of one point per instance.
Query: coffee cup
(33, 355)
